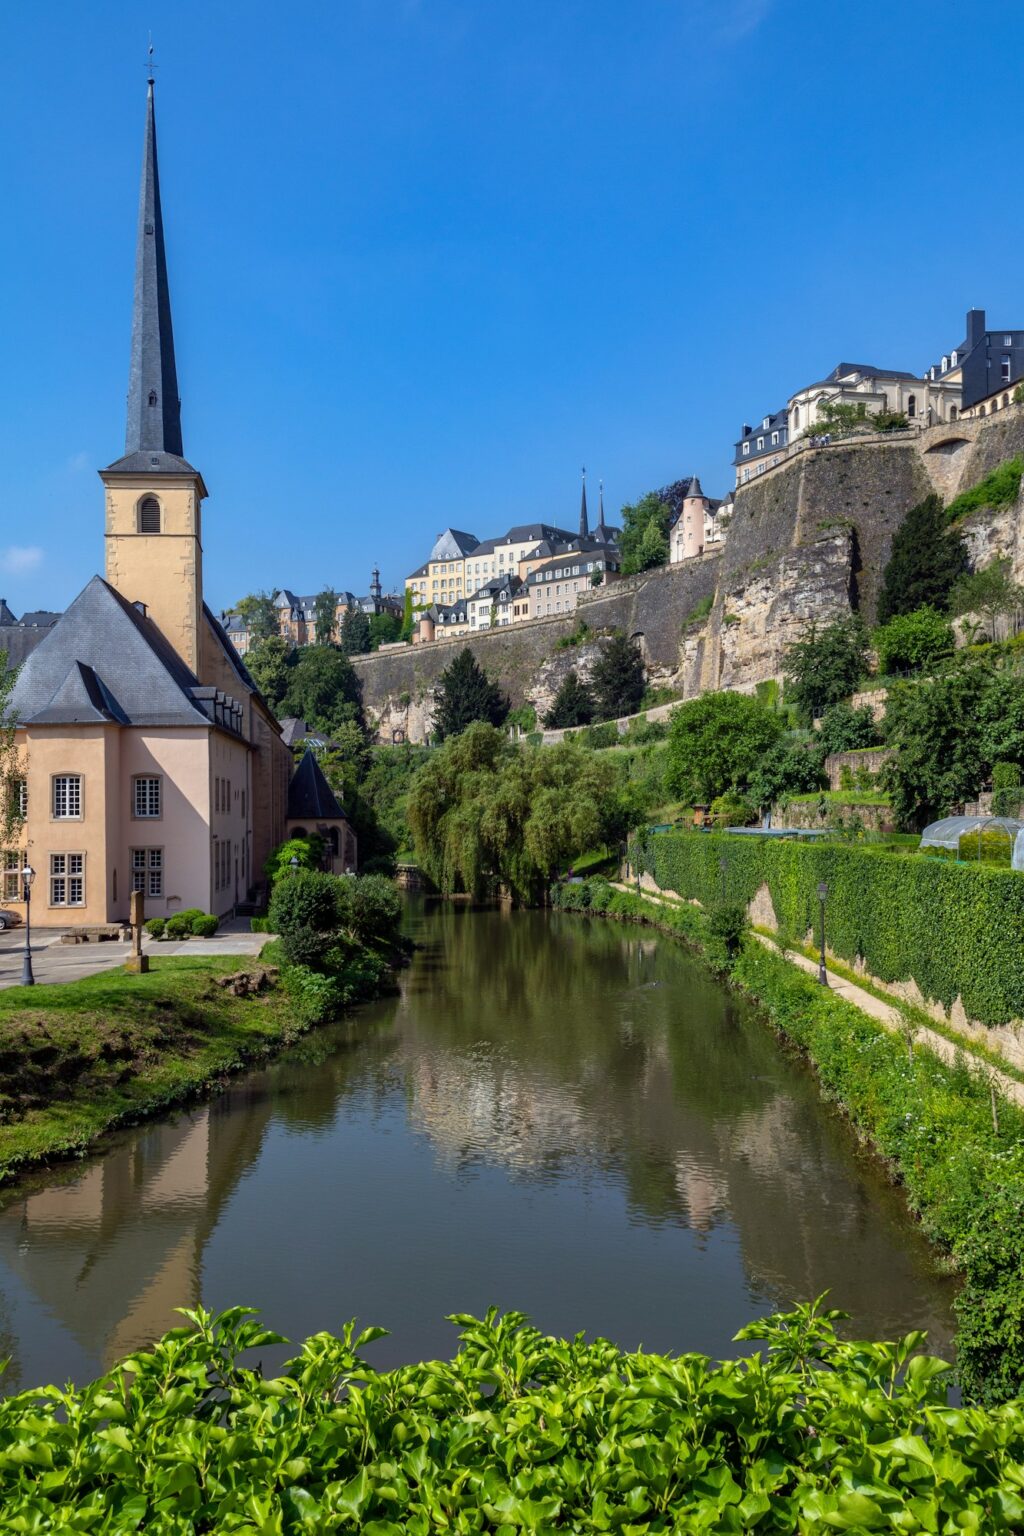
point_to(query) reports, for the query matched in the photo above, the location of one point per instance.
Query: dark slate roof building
(768, 438)
(310, 797)
(987, 361)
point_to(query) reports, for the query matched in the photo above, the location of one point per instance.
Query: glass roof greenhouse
(948, 832)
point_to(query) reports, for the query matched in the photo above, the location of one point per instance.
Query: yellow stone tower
(154, 551)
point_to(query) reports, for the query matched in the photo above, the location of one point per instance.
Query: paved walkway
(888, 1015)
(54, 962)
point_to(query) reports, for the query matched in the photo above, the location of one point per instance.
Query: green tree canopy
(787, 768)
(716, 743)
(466, 694)
(653, 512)
(408, 616)
(992, 594)
(483, 810)
(911, 641)
(270, 663)
(384, 629)
(355, 632)
(325, 606)
(935, 729)
(573, 704)
(845, 729)
(617, 678)
(826, 666)
(259, 615)
(927, 559)
(323, 689)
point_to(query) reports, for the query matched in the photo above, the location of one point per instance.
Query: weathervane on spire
(150, 64)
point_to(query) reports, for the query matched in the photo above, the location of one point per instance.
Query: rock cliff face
(808, 543)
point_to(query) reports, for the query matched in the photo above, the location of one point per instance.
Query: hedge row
(963, 1174)
(953, 929)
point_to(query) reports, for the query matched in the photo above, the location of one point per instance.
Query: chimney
(140, 606)
(975, 326)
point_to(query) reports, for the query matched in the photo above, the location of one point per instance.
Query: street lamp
(28, 874)
(293, 864)
(822, 973)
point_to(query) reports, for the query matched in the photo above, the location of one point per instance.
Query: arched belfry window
(149, 515)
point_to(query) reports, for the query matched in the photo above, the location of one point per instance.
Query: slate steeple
(584, 523)
(600, 505)
(154, 410)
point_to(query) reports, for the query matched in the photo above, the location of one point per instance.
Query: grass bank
(80, 1058)
(962, 1169)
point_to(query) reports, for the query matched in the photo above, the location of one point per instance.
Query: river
(562, 1116)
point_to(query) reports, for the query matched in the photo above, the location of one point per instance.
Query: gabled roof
(128, 671)
(39, 618)
(310, 797)
(6, 616)
(235, 661)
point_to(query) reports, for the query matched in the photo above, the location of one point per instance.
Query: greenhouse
(949, 832)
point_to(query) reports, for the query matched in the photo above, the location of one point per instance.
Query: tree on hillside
(384, 629)
(993, 595)
(787, 768)
(259, 615)
(617, 678)
(653, 548)
(466, 694)
(573, 704)
(927, 559)
(938, 760)
(270, 663)
(912, 641)
(323, 689)
(651, 511)
(355, 632)
(826, 666)
(325, 606)
(716, 742)
(408, 616)
(11, 769)
(482, 811)
(845, 729)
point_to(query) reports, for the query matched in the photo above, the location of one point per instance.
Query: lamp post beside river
(822, 973)
(28, 874)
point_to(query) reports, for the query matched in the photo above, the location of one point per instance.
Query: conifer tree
(464, 694)
(618, 678)
(573, 704)
(927, 559)
(355, 632)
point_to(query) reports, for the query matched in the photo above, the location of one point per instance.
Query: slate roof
(310, 797)
(39, 618)
(869, 370)
(6, 616)
(453, 544)
(106, 660)
(18, 644)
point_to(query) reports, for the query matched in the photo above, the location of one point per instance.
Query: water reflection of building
(112, 1252)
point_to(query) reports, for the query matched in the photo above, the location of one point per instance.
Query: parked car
(8, 919)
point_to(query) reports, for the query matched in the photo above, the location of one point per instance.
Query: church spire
(584, 523)
(154, 410)
(600, 504)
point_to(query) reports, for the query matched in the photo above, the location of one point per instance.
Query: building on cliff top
(987, 366)
(148, 758)
(700, 521)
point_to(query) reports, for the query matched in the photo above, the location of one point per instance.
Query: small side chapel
(150, 759)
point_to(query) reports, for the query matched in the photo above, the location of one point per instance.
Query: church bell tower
(154, 552)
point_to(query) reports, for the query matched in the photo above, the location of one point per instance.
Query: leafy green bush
(309, 851)
(519, 1432)
(733, 809)
(1006, 789)
(303, 910)
(179, 926)
(260, 925)
(369, 907)
(205, 925)
(699, 612)
(716, 743)
(600, 736)
(155, 927)
(911, 641)
(727, 923)
(999, 489)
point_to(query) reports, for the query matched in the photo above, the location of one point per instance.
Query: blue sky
(428, 257)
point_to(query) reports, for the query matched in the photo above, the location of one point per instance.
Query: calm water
(555, 1115)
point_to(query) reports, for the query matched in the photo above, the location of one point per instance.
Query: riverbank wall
(935, 1127)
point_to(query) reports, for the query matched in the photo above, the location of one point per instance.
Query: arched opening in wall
(911, 406)
(796, 418)
(149, 515)
(332, 838)
(953, 413)
(981, 410)
(1006, 400)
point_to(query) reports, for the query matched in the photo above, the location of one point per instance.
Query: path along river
(557, 1115)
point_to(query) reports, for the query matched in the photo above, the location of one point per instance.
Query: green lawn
(81, 1057)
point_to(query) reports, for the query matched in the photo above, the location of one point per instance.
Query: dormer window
(149, 515)
(952, 360)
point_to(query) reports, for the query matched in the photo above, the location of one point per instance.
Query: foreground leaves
(518, 1433)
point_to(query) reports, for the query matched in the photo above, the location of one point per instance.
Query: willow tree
(484, 811)
(11, 770)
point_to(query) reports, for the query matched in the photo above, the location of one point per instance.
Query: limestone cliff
(808, 543)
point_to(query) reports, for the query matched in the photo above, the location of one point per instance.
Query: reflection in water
(554, 1115)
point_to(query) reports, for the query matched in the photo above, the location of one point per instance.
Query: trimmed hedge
(953, 929)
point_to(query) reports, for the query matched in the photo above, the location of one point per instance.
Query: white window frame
(746, 448)
(66, 792)
(147, 870)
(147, 797)
(12, 863)
(66, 872)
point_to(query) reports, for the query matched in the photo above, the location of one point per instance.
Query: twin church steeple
(153, 537)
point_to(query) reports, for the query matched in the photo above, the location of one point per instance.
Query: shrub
(309, 851)
(1006, 796)
(825, 668)
(600, 736)
(732, 809)
(205, 925)
(260, 925)
(727, 923)
(155, 927)
(699, 612)
(179, 926)
(303, 910)
(911, 641)
(1018, 395)
(370, 907)
(998, 489)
